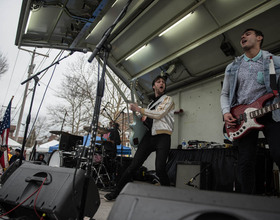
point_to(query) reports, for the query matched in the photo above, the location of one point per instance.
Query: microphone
(190, 182)
(73, 50)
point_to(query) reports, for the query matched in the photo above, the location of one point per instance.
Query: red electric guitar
(246, 116)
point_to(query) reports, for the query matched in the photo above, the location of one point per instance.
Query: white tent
(13, 144)
(45, 147)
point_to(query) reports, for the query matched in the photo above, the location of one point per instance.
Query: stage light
(172, 26)
(28, 21)
(137, 51)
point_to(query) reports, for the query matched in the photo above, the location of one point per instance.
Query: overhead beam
(241, 19)
(155, 34)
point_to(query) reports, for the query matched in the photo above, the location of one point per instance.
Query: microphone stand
(108, 32)
(105, 47)
(121, 112)
(36, 80)
(93, 128)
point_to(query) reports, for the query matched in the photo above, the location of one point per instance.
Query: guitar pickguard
(242, 129)
(138, 131)
(246, 116)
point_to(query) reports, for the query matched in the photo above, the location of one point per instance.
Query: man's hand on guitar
(229, 119)
(134, 107)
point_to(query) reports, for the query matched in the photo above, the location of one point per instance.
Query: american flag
(5, 125)
(4, 132)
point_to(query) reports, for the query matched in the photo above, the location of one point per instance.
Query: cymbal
(87, 128)
(59, 132)
(99, 141)
(100, 130)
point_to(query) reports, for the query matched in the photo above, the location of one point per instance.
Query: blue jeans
(161, 145)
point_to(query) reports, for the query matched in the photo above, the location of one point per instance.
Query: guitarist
(246, 79)
(160, 121)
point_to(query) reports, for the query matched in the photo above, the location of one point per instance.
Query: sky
(19, 60)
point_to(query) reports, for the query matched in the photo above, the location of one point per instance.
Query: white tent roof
(45, 147)
(13, 144)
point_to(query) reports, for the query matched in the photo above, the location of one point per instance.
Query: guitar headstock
(133, 86)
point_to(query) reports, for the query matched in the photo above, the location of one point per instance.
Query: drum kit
(73, 154)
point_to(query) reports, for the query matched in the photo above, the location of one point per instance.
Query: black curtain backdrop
(224, 170)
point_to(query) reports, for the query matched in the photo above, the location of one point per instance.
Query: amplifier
(192, 174)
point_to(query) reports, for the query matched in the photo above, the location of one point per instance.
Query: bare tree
(78, 92)
(3, 64)
(39, 130)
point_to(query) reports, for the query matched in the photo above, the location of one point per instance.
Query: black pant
(159, 143)
(247, 151)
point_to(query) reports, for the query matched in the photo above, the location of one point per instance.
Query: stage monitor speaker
(192, 174)
(146, 201)
(59, 198)
(68, 142)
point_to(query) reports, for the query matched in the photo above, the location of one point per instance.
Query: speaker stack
(146, 201)
(60, 197)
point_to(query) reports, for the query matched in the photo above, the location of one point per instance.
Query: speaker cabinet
(191, 174)
(146, 201)
(59, 198)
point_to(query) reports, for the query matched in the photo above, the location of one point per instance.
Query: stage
(222, 173)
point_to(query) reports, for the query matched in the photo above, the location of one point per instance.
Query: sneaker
(110, 196)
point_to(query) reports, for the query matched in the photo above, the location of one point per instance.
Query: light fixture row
(162, 33)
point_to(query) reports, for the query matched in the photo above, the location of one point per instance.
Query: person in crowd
(16, 156)
(2, 149)
(247, 79)
(160, 122)
(5, 157)
(41, 159)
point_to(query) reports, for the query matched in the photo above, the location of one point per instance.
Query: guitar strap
(156, 103)
(272, 75)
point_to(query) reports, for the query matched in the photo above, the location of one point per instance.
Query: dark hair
(157, 78)
(257, 32)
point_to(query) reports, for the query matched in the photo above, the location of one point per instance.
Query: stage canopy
(187, 40)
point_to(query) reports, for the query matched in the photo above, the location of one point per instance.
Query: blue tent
(53, 148)
(125, 150)
(86, 141)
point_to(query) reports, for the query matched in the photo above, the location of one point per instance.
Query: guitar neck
(261, 112)
(132, 87)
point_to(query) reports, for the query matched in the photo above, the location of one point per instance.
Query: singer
(247, 79)
(160, 121)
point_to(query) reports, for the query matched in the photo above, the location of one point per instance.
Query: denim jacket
(228, 96)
